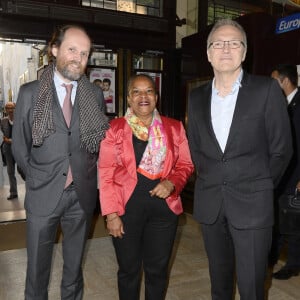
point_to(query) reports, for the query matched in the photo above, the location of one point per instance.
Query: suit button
(64, 174)
(70, 154)
(224, 159)
(224, 183)
(69, 132)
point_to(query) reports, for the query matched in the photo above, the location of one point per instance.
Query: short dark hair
(106, 80)
(97, 80)
(58, 37)
(289, 71)
(141, 75)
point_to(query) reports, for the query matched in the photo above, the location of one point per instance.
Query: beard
(67, 71)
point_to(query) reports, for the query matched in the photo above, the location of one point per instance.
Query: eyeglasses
(233, 44)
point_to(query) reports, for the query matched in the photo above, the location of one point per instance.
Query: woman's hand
(6, 140)
(163, 189)
(114, 225)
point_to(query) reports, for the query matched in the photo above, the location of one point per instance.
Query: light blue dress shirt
(222, 109)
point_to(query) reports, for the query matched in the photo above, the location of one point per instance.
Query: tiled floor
(12, 210)
(189, 279)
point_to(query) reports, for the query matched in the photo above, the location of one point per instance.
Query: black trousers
(231, 251)
(11, 171)
(279, 240)
(150, 229)
(41, 234)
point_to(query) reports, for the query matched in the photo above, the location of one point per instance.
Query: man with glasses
(240, 141)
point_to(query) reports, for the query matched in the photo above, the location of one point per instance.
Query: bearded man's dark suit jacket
(46, 166)
(241, 179)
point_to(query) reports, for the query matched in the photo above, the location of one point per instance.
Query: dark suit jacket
(256, 154)
(292, 175)
(46, 166)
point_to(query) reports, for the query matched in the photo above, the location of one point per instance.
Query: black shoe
(285, 273)
(11, 197)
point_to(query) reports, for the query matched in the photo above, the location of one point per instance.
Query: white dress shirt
(61, 90)
(222, 109)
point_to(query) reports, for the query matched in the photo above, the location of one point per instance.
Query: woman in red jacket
(144, 163)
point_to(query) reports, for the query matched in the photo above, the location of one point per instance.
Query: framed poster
(106, 79)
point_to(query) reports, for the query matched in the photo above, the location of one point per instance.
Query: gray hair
(227, 22)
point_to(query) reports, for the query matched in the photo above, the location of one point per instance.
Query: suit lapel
(241, 108)
(75, 112)
(58, 109)
(170, 147)
(207, 114)
(294, 103)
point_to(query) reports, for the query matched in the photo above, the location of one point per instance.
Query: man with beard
(59, 123)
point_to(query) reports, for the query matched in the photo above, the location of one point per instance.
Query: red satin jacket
(117, 166)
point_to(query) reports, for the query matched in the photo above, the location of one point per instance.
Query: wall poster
(105, 78)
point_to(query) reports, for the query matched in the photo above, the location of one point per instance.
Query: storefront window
(104, 58)
(151, 60)
(145, 7)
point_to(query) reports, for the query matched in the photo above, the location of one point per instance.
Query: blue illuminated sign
(288, 23)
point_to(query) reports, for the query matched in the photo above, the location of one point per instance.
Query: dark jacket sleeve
(278, 132)
(21, 135)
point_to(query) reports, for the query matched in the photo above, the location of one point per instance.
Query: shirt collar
(291, 95)
(235, 86)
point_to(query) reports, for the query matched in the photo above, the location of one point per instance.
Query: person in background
(59, 122)
(144, 163)
(6, 128)
(1, 164)
(240, 141)
(287, 77)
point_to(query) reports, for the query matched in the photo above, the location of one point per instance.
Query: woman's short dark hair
(141, 75)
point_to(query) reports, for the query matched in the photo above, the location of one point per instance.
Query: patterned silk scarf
(152, 162)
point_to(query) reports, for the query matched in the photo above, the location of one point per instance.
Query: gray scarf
(92, 121)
